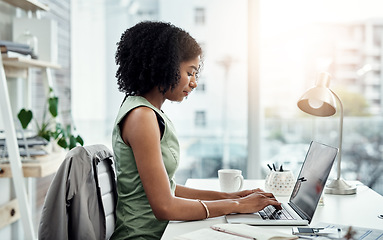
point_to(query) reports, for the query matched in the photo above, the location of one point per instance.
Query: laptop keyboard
(270, 212)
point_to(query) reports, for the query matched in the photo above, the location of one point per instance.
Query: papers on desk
(357, 232)
(228, 231)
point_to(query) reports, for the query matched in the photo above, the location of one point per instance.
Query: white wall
(89, 101)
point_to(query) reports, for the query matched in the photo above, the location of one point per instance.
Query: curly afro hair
(149, 55)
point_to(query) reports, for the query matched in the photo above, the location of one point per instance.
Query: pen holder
(280, 183)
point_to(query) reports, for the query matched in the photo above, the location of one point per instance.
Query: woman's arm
(192, 193)
(140, 130)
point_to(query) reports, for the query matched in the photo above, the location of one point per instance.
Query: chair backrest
(105, 178)
(81, 200)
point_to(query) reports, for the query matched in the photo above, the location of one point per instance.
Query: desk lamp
(320, 101)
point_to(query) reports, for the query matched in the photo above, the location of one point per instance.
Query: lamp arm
(340, 135)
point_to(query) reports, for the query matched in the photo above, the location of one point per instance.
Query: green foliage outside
(354, 104)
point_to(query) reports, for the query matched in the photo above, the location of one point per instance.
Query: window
(200, 118)
(199, 16)
(290, 65)
(292, 52)
(201, 87)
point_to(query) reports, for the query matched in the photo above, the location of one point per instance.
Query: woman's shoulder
(133, 102)
(136, 104)
(142, 112)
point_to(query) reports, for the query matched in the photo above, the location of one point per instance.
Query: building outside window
(200, 119)
(199, 17)
(201, 87)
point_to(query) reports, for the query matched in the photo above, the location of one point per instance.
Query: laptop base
(250, 220)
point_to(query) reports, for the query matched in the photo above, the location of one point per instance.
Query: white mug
(230, 180)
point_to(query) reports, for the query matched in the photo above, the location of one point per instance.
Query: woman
(158, 62)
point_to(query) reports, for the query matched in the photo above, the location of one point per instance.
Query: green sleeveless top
(135, 219)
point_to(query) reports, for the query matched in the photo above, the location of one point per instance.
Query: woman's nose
(193, 82)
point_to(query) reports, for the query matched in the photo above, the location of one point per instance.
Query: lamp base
(339, 187)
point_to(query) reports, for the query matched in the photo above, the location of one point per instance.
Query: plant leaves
(59, 131)
(80, 140)
(53, 105)
(69, 130)
(25, 117)
(72, 142)
(62, 143)
(45, 135)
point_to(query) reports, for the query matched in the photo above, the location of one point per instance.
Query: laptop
(300, 209)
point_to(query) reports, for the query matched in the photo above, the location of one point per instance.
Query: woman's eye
(190, 74)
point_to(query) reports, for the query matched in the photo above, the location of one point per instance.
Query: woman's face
(188, 80)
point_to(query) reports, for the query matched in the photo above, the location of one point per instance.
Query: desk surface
(359, 210)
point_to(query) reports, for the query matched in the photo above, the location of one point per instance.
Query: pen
(270, 167)
(274, 167)
(281, 169)
(232, 233)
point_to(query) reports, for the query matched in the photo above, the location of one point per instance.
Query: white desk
(359, 210)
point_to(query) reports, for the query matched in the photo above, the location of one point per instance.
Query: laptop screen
(312, 178)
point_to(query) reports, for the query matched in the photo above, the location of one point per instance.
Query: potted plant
(49, 128)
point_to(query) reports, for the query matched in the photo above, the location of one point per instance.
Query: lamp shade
(319, 100)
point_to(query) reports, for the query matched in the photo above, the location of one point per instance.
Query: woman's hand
(244, 193)
(256, 201)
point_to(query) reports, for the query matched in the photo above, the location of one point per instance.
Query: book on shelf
(31, 152)
(14, 45)
(30, 141)
(13, 49)
(10, 54)
(29, 146)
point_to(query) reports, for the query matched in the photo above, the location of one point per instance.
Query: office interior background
(297, 39)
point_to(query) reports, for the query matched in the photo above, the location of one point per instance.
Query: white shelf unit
(19, 68)
(16, 169)
(28, 5)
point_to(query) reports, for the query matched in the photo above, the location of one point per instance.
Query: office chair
(81, 200)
